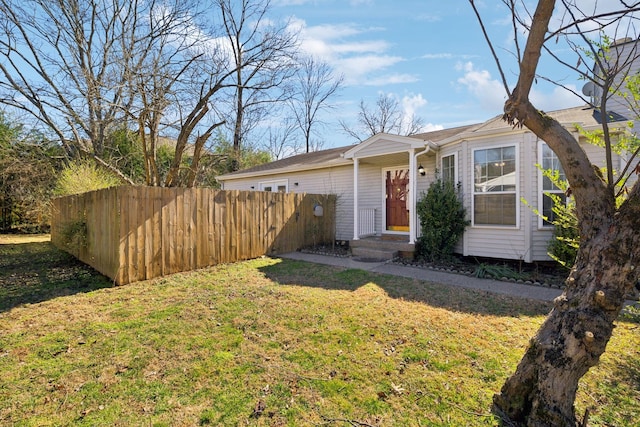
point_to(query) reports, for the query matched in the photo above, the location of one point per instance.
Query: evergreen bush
(442, 220)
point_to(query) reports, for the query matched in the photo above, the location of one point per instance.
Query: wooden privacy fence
(138, 233)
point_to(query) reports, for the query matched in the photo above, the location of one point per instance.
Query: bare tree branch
(316, 85)
(493, 52)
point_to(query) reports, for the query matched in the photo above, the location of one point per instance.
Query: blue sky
(430, 55)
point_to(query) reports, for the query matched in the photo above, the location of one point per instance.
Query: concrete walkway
(496, 286)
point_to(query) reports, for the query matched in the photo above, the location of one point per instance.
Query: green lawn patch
(270, 342)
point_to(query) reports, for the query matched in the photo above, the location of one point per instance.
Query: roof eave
(287, 169)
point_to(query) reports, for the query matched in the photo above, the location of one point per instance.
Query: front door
(396, 195)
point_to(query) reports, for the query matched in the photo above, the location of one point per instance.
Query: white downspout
(356, 234)
(412, 199)
(413, 196)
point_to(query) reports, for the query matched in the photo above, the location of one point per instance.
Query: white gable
(382, 144)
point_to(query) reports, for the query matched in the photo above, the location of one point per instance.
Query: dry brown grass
(15, 239)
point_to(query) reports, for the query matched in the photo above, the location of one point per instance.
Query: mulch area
(540, 274)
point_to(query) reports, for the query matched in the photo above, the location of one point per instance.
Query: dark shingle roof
(584, 115)
(329, 157)
(439, 135)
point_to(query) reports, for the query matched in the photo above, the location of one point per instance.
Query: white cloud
(426, 17)
(445, 55)
(558, 99)
(346, 48)
(358, 69)
(361, 47)
(326, 31)
(491, 93)
(488, 91)
(391, 79)
(438, 56)
(411, 103)
(429, 127)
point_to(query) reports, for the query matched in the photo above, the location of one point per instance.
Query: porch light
(421, 170)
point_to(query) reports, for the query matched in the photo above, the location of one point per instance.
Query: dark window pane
(494, 209)
(547, 207)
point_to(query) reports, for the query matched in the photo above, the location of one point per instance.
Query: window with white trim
(276, 186)
(448, 167)
(549, 162)
(494, 189)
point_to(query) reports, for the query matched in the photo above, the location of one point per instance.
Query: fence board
(137, 233)
(156, 232)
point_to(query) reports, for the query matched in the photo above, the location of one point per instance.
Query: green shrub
(492, 271)
(563, 247)
(75, 235)
(442, 220)
(81, 176)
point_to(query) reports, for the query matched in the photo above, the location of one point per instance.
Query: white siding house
(378, 182)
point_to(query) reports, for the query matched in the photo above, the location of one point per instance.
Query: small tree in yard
(442, 220)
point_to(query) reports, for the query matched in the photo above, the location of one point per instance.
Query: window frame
(542, 224)
(513, 192)
(274, 185)
(456, 179)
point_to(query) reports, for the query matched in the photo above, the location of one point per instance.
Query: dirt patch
(14, 239)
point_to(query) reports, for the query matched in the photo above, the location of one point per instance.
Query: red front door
(397, 186)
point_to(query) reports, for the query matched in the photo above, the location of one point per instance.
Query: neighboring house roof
(314, 160)
(584, 116)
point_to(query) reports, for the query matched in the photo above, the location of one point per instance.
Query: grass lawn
(269, 342)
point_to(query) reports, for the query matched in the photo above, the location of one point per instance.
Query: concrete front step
(382, 244)
(373, 254)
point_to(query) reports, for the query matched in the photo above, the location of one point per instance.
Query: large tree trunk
(542, 391)
(571, 340)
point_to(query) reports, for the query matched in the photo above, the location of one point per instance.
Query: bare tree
(280, 141)
(263, 57)
(386, 117)
(573, 337)
(84, 68)
(57, 64)
(316, 85)
(157, 72)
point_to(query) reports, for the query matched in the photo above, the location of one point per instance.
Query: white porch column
(356, 234)
(413, 188)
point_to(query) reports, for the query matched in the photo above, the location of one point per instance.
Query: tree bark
(542, 391)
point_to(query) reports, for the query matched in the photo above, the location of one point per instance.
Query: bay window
(494, 190)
